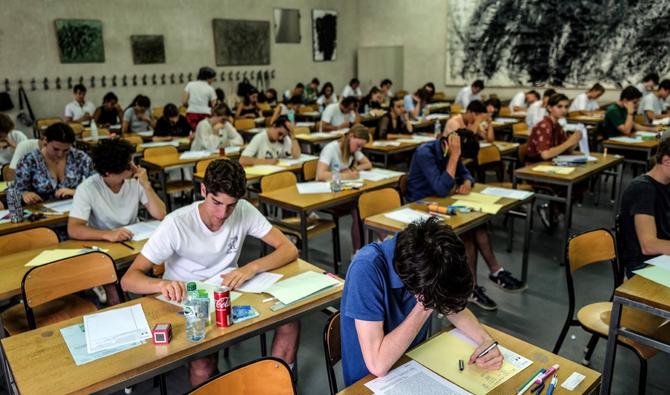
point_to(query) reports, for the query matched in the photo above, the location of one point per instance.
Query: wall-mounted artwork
(324, 35)
(568, 43)
(240, 42)
(147, 49)
(287, 26)
(80, 41)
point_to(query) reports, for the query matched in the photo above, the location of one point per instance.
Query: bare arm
(275, 114)
(627, 127)
(637, 127)
(364, 164)
(327, 127)
(567, 146)
(468, 324)
(295, 147)
(650, 244)
(136, 280)
(155, 205)
(77, 229)
(323, 172)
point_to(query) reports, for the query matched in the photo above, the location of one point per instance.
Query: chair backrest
(45, 122)
(402, 185)
(266, 376)
(309, 170)
(487, 155)
(101, 132)
(305, 109)
(301, 130)
(157, 112)
(134, 140)
(7, 173)
(332, 349)
(521, 151)
(639, 118)
(504, 111)
(77, 128)
(264, 106)
(377, 201)
(619, 247)
(519, 127)
(2, 207)
(590, 247)
(401, 93)
(455, 108)
(27, 240)
(158, 151)
(439, 95)
(245, 124)
(202, 165)
(275, 181)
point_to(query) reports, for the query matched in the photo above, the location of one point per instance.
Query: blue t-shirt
(372, 292)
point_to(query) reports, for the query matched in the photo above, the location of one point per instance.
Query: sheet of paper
(333, 134)
(488, 208)
(260, 282)
(91, 138)
(60, 206)
(662, 121)
(304, 124)
(48, 256)
(259, 119)
(75, 339)
(291, 162)
(313, 187)
(483, 144)
(143, 230)
(255, 130)
(386, 143)
(623, 139)
(262, 170)
(504, 144)
(378, 174)
(301, 286)
(413, 379)
(574, 159)
(660, 261)
(232, 149)
(146, 133)
(160, 144)
(510, 356)
(647, 134)
(506, 120)
(115, 328)
(441, 354)
(407, 215)
(3, 185)
(656, 274)
(477, 198)
(515, 194)
(554, 169)
(431, 117)
(189, 155)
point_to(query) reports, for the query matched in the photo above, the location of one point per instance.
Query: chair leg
(336, 249)
(264, 345)
(642, 384)
(510, 227)
(561, 337)
(226, 352)
(590, 348)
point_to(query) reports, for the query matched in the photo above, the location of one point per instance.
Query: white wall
(29, 45)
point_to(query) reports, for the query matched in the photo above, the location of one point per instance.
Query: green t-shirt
(615, 116)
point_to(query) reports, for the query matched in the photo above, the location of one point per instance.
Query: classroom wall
(29, 45)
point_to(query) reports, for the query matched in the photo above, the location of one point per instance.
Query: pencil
(127, 245)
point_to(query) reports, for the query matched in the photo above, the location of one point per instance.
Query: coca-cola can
(223, 308)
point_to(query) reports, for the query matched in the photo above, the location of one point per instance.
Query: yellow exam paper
(48, 256)
(441, 355)
(477, 198)
(3, 185)
(488, 208)
(262, 170)
(554, 169)
(656, 274)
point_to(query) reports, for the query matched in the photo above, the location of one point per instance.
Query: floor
(535, 315)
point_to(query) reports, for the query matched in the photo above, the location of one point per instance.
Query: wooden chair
(48, 291)
(489, 158)
(244, 124)
(505, 111)
(400, 94)
(306, 109)
(157, 112)
(332, 349)
(309, 170)
(101, 132)
(135, 141)
(586, 249)
(291, 225)
(402, 186)
(439, 96)
(43, 123)
(27, 240)
(180, 186)
(455, 108)
(2, 207)
(201, 166)
(301, 130)
(520, 128)
(376, 202)
(266, 376)
(264, 106)
(7, 173)
(77, 128)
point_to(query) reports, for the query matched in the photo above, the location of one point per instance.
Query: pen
(538, 389)
(552, 385)
(525, 387)
(127, 245)
(461, 365)
(548, 373)
(487, 350)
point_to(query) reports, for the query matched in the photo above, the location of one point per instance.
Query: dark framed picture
(147, 49)
(324, 35)
(241, 42)
(80, 40)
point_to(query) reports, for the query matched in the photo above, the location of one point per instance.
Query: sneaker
(506, 281)
(128, 390)
(101, 294)
(545, 215)
(479, 298)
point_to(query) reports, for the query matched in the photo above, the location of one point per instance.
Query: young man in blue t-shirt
(391, 291)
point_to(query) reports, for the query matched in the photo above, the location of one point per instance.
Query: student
(137, 117)
(547, 138)
(110, 113)
(645, 204)
(346, 156)
(429, 87)
(297, 92)
(220, 96)
(619, 116)
(586, 102)
(648, 84)
(353, 89)
(199, 96)
(79, 110)
(267, 147)
(470, 93)
(653, 104)
(475, 119)
(385, 87)
(537, 111)
(434, 173)
(248, 108)
(9, 139)
(391, 291)
(395, 121)
(340, 115)
(493, 107)
(216, 131)
(371, 101)
(415, 103)
(171, 124)
(312, 90)
(283, 108)
(270, 97)
(201, 241)
(55, 170)
(519, 102)
(327, 95)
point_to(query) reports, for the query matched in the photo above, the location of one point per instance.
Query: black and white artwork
(241, 42)
(147, 49)
(80, 40)
(324, 35)
(563, 43)
(287, 26)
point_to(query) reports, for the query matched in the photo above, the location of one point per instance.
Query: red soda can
(223, 308)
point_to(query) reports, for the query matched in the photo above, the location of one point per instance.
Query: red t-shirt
(545, 135)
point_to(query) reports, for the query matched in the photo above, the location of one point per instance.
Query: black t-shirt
(108, 117)
(647, 196)
(165, 128)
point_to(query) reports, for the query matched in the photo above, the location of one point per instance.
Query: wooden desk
(581, 173)
(588, 119)
(461, 222)
(40, 362)
(647, 148)
(315, 139)
(297, 168)
(539, 356)
(49, 220)
(386, 151)
(638, 293)
(289, 199)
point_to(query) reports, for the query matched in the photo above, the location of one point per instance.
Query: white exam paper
(61, 206)
(313, 187)
(660, 261)
(378, 174)
(195, 155)
(260, 282)
(407, 215)
(413, 378)
(507, 193)
(160, 144)
(143, 230)
(114, 328)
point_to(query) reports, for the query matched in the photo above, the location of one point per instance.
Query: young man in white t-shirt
(340, 115)
(653, 104)
(353, 89)
(9, 139)
(586, 102)
(79, 110)
(470, 93)
(200, 241)
(267, 147)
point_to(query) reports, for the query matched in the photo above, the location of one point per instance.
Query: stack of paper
(75, 339)
(313, 187)
(262, 170)
(143, 230)
(190, 155)
(291, 162)
(160, 144)
(630, 140)
(232, 149)
(662, 121)
(407, 215)
(658, 272)
(378, 174)
(413, 379)
(301, 286)
(507, 193)
(563, 170)
(477, 198)
(259, 283)
(483, 144)
(114, 328)
(386, 143)
(304, 124)
(61, 206)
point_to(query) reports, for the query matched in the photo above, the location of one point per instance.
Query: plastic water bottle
(366, 109)
(336, 180)
(203, 300)
(291, 115)
(437, 128)
(94, 130)
(195, 323)
(14, 203)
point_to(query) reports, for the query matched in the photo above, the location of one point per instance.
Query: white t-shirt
(21, 150)
(6, 153)
(535, 114)
(261, 147)
(643, 89)
(349, 91)
(103, 209)
(200, 95)
(323, 101)
(193, 252)
(206, 140)
(75, 111)
(331, 155)
(652, 103)
(519, 100)
(334, 115)
(583, 103)
(465, 96)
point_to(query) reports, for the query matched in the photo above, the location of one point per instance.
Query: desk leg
(162, 178)
(608, 368)
(568, 214)
(303, 234)
(386, 160)
(526, 240)
(619, 187)
(6, 371)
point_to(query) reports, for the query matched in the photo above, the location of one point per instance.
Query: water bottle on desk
(437, 129)
(14, 203)
(291, 115)
(203, 299)
(94, 130)
(195, 323)
(336, 180)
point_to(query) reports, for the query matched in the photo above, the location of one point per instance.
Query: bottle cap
(202, 293)
(190, 286)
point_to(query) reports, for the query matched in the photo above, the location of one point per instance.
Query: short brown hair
(6, 124)
(227, 176)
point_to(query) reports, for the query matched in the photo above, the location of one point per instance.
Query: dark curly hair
(60, 132)
(112, 156)
(227, 176)
(430, 260)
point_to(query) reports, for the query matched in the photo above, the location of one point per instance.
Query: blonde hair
(357, 131)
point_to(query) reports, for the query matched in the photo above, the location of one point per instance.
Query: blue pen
(552, 385)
